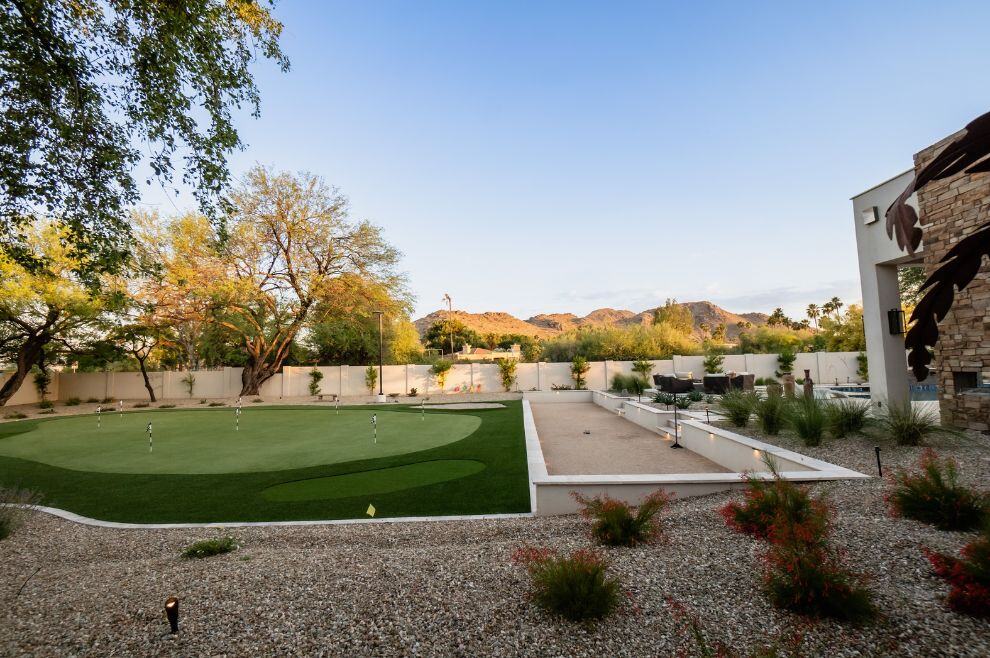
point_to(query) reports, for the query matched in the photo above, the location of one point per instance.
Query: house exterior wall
(950, 210)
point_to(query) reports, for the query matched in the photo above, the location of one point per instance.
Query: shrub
(46, 404)
(561, 387)
(713, 363)
(932, 494)
(810, 579)
(189, 381)
(909, 425)
(766, 502)
(166, 406)
(579, 368)
(42, 380)
(621, 382)
(92, 400)
(737, 406)
(664, 398)
(507, 371)
(15, 415)
(642, 368)
(614, 524)
(439, 370)
(208, 547)
(682, 402)
(73, 402)
(575, 587)
(695, 395)
(807, 416)
(217, 404)
(785, 362)
(371, 379)
(12, 516)
(106, 400)
(315, 377)
(47, 411)
(203, 401)
(257, 400)
(141, 405)
(847, 416)
(771, 412)
(969, 576)
(413, 392)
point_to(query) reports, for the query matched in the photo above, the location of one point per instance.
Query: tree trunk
(147, 382)
(27, 356)
(254, 375)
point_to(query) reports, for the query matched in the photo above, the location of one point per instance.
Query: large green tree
(89, 89)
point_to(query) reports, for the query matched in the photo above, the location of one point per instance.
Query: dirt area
(614, 446)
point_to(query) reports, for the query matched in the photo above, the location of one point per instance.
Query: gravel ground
(450, 589)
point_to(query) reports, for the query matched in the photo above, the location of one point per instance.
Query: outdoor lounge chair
(743, 381)
(671, 384)
(716, 384)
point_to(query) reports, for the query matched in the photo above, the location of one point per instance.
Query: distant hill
(550, 324)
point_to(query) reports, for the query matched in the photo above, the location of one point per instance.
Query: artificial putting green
(284, 463)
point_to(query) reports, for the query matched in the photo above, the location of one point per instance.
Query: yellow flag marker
(371, 510)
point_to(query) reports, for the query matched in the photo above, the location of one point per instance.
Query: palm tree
(836, 305)
(827, 308)
(813, 313)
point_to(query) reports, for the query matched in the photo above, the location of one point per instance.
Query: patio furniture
(716, 384)
(742, 380)
(671, 384)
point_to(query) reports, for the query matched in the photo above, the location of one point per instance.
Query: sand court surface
(615, 446)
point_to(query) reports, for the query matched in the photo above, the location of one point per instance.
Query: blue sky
(552, 157)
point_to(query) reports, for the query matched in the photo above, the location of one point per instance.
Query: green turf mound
(200, 441)
(379, 481)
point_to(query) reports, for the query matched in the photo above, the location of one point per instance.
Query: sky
(566, 156)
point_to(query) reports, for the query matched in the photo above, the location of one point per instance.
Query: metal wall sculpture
(968, 153)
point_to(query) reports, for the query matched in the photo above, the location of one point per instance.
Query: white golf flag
(374, 420)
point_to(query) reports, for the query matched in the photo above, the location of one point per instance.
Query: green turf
(81, 473)
(205, 441)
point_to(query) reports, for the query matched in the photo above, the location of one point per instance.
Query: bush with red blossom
(931, 493)
(574, 586)
(613, 522)
(969, 576)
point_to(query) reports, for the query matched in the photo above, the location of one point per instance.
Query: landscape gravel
(450, 588)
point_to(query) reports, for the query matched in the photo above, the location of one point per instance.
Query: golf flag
(151, 446)
(120, 408)
(371, 510)
(99, 416)
(374, 424)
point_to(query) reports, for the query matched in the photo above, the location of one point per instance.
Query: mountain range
(546, 325)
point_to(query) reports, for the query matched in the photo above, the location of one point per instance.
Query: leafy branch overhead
(968, 153)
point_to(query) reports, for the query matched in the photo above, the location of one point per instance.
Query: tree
(836, 304)
(370, 379)
(439, 370)
(677, 316)
(814, 313)
(438, 334)
(83, 82)
(507, 370)
(845, 334)
(44, 307)
(713, 363)
(909, 282)
(778, 318)
(292, 252)
(642, 368)
(579, 368)
(140, 341)
(315, 377)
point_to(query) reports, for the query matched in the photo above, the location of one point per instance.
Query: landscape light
(172, 613)
(879, 465)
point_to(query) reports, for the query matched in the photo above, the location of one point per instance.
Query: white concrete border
(742, 455)
(85, 520)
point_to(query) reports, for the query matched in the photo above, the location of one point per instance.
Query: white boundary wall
(551, 494)
(348, 381)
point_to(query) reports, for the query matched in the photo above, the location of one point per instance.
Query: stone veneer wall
(950, 210)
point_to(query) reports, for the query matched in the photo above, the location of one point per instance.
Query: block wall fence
(348, 381)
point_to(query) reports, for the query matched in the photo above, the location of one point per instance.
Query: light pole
(381, 351)
(450, 313)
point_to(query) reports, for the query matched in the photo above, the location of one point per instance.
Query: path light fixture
(172, 613)
(677, 426)
(879, 465)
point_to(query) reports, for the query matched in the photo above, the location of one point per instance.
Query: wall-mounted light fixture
(895, 321)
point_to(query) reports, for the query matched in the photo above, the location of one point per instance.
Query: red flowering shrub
(614, 524)
(766, 501)
(932, 494)
(968, 575)
(574, 586)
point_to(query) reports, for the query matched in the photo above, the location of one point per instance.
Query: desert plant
(561, 387)
(46, 404)
(371, 379)
(413, 392)
(47, 411)
(575, 586)
(166, 406)
(73, 402)
(932, 494)
(664, 398)
(257, 401)
(42, 382)
(682, 402)
(695, 395)
(846, 416)
(315, 377)
(579, 368)
(613, 522)
(217, 404)
(968, 574)
(862, 366)
(909, 425)
(106, 400)
(785, 362)
(12, 511)
(209, 547)
(771, 412)
(809, 578)
(737, 406)
(769, 501)
(440, 369)
(507, 371)
(141, 405)
(189, 381)
(15, 415)
(92, 400)
(203, 401)
(642, 368)
(621, 382)
(713, 363)
(806, 415)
